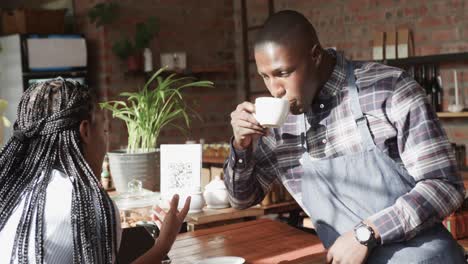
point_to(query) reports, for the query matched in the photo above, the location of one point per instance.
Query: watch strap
(372, 241)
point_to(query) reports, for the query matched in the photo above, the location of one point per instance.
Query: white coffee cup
(271, 112)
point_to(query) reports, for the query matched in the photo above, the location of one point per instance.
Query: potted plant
(145, 113)
(104, 13)
(126, 48)
(131, 52)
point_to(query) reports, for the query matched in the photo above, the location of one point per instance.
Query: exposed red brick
(420, 37)
(427, 50)
(460, 134)
(429, 22)
(443, 35)
(204, 32)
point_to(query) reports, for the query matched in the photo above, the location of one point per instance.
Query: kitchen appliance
(27, 58)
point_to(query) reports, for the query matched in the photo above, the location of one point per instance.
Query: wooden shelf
(202, 69)
(216, 215)
(212, 69)
(45, 74)
(214, 160)
(429, 59)
(465, 183)
(452, 115)
(254, 27)
(281, 207)
(463, 243)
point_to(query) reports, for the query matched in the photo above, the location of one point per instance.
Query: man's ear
(316, 54)
(85, 132)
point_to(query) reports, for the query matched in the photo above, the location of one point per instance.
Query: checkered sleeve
(427, 155)
(248, 174)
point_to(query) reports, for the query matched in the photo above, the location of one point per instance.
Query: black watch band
(372, 242)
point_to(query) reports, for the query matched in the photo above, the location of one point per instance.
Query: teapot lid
(216, 184)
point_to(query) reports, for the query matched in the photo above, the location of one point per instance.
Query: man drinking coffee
(361, 151)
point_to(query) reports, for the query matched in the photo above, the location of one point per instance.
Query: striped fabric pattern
(58, 235)
(403, 126)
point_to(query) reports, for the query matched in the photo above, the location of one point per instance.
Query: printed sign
(180, 168)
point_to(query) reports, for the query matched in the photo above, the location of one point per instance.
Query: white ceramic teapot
(196, 202)
(216, 194)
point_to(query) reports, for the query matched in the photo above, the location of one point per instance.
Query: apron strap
(359, 117)
(304, 126)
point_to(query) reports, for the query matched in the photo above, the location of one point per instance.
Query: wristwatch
(365, 235)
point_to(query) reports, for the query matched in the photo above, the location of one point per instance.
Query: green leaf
(3, 105)
(104, 13)
(159, 103)
(6, 122)
(123, 48)
(145, 32)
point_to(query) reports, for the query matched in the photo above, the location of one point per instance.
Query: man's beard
(296, 108)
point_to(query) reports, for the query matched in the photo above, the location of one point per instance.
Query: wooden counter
(463, 243)
(260, 241)
(215, 217)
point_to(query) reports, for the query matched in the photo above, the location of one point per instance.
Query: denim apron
(340, 192)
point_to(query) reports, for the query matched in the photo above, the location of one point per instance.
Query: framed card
(180, 168)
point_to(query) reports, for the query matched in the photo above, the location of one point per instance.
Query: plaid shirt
(403, 126)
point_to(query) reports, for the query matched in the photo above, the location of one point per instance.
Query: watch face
(363, 234)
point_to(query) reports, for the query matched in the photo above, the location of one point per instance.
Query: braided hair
(46, 137)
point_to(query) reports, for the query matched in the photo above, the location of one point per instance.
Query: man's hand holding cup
(252, 120)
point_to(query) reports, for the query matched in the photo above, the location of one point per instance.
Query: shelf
(429, 59)
(215, 215)
(254, 27)
(54, 73)
(281, 207)
(214, 160)
(202, 69)
(464, 243)
(260, 92)
(452, 115)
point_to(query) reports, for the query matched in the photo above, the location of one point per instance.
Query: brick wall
(439, 26)
(202, 29)
(210, 32)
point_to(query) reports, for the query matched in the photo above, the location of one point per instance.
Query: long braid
(46, 137)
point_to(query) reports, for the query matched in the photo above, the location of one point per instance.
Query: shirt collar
(338, 76)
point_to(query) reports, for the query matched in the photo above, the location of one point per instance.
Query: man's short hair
(287, 28)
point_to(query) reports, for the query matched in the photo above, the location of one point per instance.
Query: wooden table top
(259, 241)
(463, 243)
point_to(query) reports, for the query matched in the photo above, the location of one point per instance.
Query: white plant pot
(142, 166)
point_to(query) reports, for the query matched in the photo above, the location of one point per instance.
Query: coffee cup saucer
(222, 260)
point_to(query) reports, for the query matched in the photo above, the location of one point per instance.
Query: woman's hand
(169, 223)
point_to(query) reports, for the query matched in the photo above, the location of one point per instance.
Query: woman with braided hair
(52, 206)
